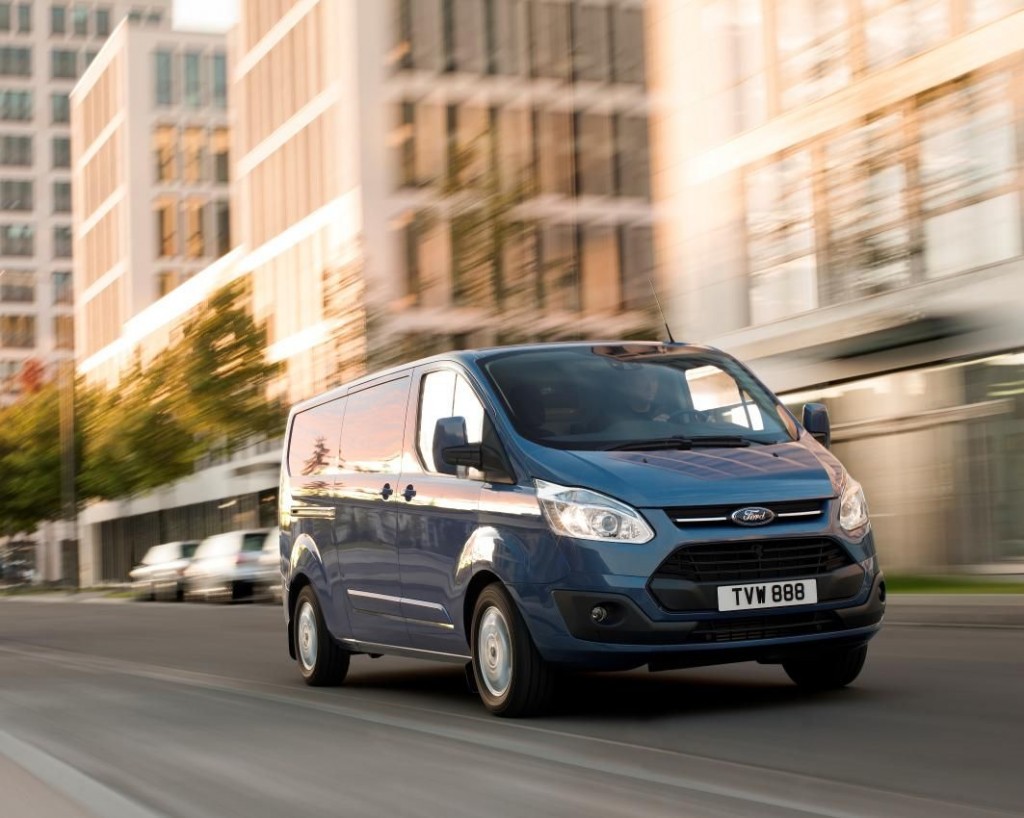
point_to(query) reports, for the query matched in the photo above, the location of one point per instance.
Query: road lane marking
(84, 791)
(766, 786)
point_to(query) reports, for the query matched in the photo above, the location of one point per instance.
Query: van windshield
(635, 397)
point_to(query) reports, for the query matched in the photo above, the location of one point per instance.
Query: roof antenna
(663, 318)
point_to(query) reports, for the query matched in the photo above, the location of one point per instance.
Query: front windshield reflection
(576, 398)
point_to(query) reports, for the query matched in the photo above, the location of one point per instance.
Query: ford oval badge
(752, 515)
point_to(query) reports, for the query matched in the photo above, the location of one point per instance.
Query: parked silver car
(228, 566)
(269, 587)
(161, 573)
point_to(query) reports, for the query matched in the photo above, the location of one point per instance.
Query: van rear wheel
(321, 661)
(828, 670)
(511, 677)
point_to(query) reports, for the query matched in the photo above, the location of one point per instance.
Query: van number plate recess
(767, 595)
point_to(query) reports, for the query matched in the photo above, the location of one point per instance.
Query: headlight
(853, 507)
(588, 515)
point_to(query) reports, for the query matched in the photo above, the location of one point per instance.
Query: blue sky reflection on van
(572, 506)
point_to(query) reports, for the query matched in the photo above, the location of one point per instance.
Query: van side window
(372, 434)
(444, 394)
(313, 448)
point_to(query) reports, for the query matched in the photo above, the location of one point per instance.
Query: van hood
(798, 470)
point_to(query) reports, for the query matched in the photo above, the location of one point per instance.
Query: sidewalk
(956, 610)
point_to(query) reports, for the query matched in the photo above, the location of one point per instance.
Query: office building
(44, 49)
(840, 191)
(151, 164)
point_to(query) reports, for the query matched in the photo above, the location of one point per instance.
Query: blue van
(594, 506)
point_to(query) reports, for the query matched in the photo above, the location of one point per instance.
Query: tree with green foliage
(215, 379)
(30, 461)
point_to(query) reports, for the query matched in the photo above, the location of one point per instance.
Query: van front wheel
(511, 676)
(828, 670)
(321, 661)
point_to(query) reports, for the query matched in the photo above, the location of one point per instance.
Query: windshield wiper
(681, 443)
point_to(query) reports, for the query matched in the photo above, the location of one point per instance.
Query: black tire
(828, 670)
(530, 683)
(327, 664)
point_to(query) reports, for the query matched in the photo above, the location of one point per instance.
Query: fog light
(599, 613)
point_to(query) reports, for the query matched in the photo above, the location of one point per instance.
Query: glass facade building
(847, 214)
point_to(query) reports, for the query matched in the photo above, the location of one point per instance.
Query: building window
(220, 80)
(62, 241)
(24, 18)
(985, 11)
(555, 149)
(193, 154)
(63, 64)
(5, 17)
(167, 229)
(593, 43)
(868, 233)
(16, 195)
(17, 240)
(469, 36)
(15, 62)
(164, 78)
(222, 227)
(89, 57)
(594, 148)
(734, 81)
(636, 252)
(63, 287)
(193, 84)
(632, 157)
(61, 152)
(18, 331)
(58, 20)
(427, 35)
(166, 280)
(221, 155)
(80, 21)
(504, 37)
(550, 47)
(16, 151)
(628, 62)
(102, 22)
(780, 231)
(898, 29)
(813, 49)
(559, 267)
(165, 149)
(18, 287)
(195, 235)
(60, 108)
(969, 199)
(16, 106)
(63, 332)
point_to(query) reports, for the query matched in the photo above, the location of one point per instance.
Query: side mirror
(448, 433)
(816, 422)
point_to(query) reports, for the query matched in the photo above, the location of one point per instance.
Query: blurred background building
(840, 192)
(833, 192)
(151, 165)
(44, 48)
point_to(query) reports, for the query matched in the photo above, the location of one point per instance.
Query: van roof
(623, 349)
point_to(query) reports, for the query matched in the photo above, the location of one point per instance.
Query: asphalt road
(150, 709)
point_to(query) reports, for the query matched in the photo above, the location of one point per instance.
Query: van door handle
(387, 491)
(409, 493)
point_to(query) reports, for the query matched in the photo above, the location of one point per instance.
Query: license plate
(767, 595)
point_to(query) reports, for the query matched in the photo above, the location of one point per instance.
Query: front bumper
(629, 637)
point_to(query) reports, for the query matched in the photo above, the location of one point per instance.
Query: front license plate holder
(755, 596)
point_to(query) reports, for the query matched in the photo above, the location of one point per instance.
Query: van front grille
(788, 511)
(754, 560)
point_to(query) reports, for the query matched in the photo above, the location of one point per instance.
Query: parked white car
(228, 567)
(161, 574)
